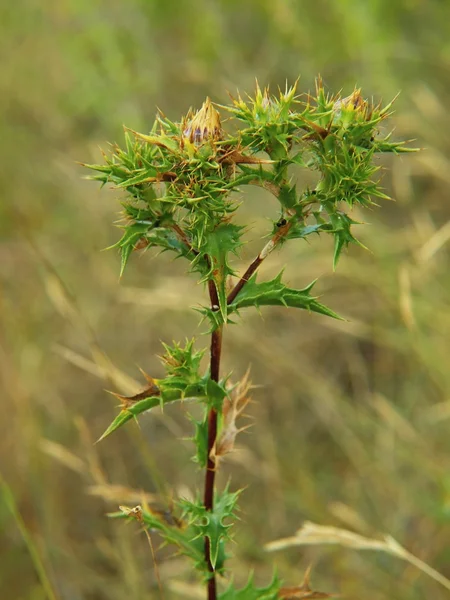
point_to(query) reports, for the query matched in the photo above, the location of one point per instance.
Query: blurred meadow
(351, 419)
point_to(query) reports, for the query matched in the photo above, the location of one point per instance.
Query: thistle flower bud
(350, 108)
(354, 101)
(204, 126)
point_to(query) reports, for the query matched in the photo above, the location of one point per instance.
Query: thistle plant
(180, 183)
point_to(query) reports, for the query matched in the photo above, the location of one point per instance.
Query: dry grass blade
(100, 367)
(64, 456)
(120, 493)
(434, 244)
(314, 534)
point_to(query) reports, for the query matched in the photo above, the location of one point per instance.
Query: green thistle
(179, 182)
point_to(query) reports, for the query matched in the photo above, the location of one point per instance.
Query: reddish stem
(210, 475)
(216, 348)
(243, 280)
(268, 248)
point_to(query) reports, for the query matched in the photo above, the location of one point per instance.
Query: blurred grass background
(351, 422)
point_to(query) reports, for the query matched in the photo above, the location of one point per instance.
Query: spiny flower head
(204, 125)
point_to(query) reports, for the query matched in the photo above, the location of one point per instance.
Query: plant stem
(210, 475)
(215, 353)
(268, 248)
(243, 280)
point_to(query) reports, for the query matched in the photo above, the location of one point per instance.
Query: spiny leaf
(276, 293)
(147, 175)
(212, 524)
(225, 238)
(171, 392)
(183, 381)
(132, 411)
(288, 196)
(215, 392)
(251, 592)
(200, 440)
(126, 244)
(167, 240)
(300, 230)
(172, 531)
(341, 229)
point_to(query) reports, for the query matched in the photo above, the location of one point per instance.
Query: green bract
(180, 182)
